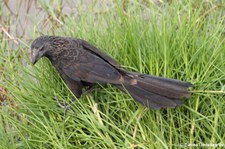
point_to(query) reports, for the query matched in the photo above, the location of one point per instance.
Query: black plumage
(83, 65)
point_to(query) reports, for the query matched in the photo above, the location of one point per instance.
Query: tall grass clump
(178, 39)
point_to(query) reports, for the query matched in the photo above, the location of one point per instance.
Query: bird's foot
(66, 106)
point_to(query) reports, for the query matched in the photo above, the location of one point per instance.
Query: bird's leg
(88, 90)
(65, 106)
(88, 87)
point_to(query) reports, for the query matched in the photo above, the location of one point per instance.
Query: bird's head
(39, 48)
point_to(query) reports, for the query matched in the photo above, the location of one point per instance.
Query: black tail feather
(166, 87)
(156, 92)
(149, 99)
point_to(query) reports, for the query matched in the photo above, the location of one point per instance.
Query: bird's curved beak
(34, 56)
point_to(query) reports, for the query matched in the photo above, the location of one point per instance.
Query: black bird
(82, 65)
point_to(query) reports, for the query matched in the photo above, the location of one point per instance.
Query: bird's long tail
(155, 92)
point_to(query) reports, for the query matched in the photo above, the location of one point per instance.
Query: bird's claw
(66, 106)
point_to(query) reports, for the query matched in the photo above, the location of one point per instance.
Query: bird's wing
(88, 67)
(74, 85)
(98, 52)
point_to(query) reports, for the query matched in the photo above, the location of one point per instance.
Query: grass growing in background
(181, 39)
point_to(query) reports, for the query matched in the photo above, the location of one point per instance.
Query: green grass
(180, 39)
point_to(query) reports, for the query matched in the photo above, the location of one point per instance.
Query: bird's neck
(53, 56)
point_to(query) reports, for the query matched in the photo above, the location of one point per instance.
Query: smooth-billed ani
(82, 65)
